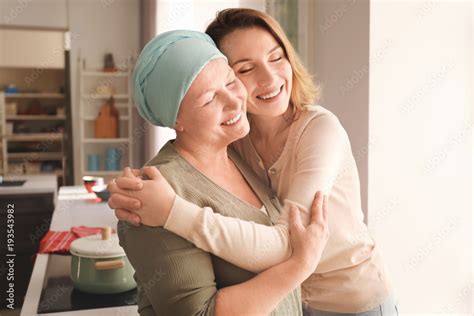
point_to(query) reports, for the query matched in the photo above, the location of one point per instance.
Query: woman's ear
(178, 127)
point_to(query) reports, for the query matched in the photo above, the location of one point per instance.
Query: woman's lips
(233, 120)
(270, 95)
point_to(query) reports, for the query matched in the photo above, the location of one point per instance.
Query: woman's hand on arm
(122, 204)
(261, 294)
(308, 243)
(146, 201)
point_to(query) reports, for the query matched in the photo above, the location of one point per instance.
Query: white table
(73, 208)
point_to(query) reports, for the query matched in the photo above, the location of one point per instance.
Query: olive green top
(175, 277)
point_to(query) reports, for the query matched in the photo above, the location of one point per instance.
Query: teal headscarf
(165, 70)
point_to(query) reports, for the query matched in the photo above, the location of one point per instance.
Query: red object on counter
(60, 241)
(89, 186)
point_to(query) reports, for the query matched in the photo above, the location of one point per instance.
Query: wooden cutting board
(106, 124)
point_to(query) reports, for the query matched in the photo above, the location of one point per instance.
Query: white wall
(421, 99)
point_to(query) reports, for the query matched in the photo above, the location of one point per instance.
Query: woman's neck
(267, 129)
(207, 159)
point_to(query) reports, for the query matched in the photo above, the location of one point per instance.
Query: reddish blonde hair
(304, 92)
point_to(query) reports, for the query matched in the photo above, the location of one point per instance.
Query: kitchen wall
(97, 27)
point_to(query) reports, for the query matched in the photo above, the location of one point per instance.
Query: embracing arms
(178, 278)
(251, 246)
(320, 160)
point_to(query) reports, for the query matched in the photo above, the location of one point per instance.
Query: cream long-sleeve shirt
(317, 156)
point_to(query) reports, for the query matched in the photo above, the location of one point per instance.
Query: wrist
(301, 267)
(170, 207)
(182, 217)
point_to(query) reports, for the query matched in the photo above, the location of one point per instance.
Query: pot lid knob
(106, 232)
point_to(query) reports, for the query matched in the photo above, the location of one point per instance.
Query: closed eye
(230, 83)
(276, 59)
(245, 71)
(213, 97)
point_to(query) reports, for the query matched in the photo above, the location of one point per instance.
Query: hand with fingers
(141, 201)
(123, 204)
(308, 242)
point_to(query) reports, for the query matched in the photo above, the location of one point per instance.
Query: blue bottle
(112, 159)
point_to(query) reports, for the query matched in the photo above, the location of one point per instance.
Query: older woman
(297, 148)
(174, 77)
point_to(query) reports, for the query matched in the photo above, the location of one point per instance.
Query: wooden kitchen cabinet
(33, 204)
(31, 48)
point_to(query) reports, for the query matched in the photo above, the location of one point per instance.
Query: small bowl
(101, 191)
(89, 182)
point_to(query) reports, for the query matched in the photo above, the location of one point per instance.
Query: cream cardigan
(317, 156)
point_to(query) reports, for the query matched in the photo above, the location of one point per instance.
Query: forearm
(261, 294)
(253, 247)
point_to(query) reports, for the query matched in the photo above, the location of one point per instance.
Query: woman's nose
(266, 77)
(233, 100)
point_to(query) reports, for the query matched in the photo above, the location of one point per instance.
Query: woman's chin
(270, 113)
(240, 130)
(268, 110)
(243, 130)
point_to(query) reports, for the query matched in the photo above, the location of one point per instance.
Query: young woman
(297, 149)
(173, 77)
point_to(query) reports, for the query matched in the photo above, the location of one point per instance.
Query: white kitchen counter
(74, 208)
(34, 184)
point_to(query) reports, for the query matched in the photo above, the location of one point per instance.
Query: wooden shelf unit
(90, 103)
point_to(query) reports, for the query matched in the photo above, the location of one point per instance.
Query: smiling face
(262, 66)
(212, 112)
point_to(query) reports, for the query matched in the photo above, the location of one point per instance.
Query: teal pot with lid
(99, 264)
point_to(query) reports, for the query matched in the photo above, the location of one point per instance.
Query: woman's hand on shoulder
(141, 201)
(308, 242)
